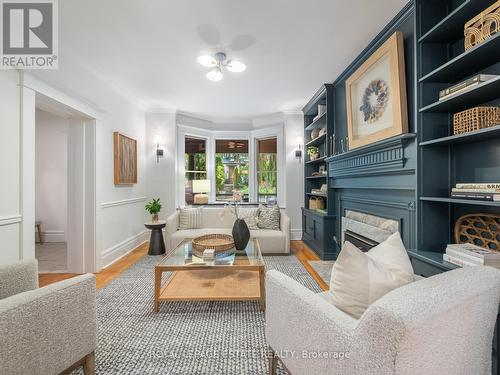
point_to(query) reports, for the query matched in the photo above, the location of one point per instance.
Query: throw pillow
(190, 218)
(269, 217)
(251, 217)
(359, 279)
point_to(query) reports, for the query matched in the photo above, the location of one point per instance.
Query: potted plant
(154, 207)
(313, 152)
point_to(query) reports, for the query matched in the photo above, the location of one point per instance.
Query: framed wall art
(125, 155)
(376, 95)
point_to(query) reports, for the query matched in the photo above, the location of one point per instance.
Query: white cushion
(359, 279)
(190, 218)
(251, 217)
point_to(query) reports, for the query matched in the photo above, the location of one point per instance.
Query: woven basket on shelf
(475, 119)
(482, 229)
(218, 242)
(316, 203)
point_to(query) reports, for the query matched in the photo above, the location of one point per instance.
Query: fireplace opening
(361, 242)
(366, 231)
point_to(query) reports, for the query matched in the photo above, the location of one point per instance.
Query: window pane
(231, 168)
(194, 164)
(267, 175)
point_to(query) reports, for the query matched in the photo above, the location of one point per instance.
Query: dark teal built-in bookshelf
(408, 178)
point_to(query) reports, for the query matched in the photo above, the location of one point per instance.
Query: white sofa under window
(271, 241)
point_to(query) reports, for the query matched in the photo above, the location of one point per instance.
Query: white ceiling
(148, 49)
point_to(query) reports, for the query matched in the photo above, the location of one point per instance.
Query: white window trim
(210, 136)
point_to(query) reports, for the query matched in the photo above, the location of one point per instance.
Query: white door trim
(82, 256)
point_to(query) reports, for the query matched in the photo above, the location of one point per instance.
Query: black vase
(241, 234)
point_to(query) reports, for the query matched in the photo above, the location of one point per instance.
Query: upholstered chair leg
(89, 364)
(273, 362)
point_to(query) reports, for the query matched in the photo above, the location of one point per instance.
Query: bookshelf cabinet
(446, 159)
(318, 225)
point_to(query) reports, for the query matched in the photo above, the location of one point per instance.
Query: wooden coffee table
(236, 277)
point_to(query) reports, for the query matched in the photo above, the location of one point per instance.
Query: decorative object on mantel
(483, 26)
(154, 208)
(218, 242)
(376, 96)
(313, 152)
(125, 159)
(475, 119)
(316, 203)
(481, 229)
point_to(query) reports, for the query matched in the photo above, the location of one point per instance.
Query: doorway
(51, 191)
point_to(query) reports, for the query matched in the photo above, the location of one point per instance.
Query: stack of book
(483, 192)
(466, 85)
(465, 255)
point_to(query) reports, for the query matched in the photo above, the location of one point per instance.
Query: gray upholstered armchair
(440, 325)
(47, 330)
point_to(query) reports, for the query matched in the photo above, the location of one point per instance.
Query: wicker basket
(316, 203)
(218, 242)
(475, 119)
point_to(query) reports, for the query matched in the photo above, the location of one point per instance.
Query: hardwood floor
(304, 254)
(104, 277)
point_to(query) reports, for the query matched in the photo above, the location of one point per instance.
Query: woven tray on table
(218, 242)
(475, 119)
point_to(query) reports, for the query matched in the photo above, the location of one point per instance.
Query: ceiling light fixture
(217, 62)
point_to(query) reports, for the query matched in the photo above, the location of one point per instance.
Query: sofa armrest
(18, 277)
(285, 227)
(171, 228)
(299, 321)
(46, 330)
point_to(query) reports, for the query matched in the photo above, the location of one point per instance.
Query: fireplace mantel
(387, 156)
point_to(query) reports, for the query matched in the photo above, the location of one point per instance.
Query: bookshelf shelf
(475, 136)
(460, 201)
(316, 161)
(482, 93)
(469, 62)
(318, 123)
(316, 177)
(317, 141)
(317, 195)
(450, 28)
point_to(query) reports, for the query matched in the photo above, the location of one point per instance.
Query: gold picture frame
(125, 159)
(376, 95)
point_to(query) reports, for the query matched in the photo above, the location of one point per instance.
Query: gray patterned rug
(323, 268)
(184, 337)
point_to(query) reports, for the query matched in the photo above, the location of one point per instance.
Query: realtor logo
(29, 34)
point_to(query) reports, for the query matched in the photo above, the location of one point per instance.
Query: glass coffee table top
(183, 255)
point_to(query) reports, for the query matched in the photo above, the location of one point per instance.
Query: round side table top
(158, 224)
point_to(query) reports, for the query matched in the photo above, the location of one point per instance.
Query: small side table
(156, 242)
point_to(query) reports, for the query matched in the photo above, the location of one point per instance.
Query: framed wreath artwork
(376, 95)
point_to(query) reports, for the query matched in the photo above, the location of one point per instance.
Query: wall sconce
(159, 150)
(298, 152)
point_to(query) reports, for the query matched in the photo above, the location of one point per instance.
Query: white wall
(51, 179)
(10, 210)
(294, 172)
(161, 176)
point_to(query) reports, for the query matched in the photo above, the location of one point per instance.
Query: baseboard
(111, 255)
(52, 236)
(295, 234)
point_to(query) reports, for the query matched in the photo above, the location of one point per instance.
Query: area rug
(183, 337)
(323, 268)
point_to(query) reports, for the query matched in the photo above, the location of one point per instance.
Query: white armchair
(47, 330)
(440, 325)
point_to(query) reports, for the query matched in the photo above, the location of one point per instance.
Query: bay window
(231, 169)
(267, 170)
(195, 164)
